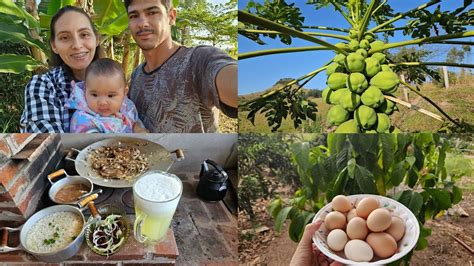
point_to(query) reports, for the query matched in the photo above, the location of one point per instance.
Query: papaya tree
(362, 77)
(414, 169)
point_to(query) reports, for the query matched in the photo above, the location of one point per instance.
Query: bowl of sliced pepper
(107, 235)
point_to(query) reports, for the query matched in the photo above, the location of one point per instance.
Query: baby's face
(105, 94)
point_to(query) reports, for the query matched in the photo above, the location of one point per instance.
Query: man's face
(150, 23)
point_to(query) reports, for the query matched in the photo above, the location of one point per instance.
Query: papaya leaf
(413, 177)
(297, 227)
(388, 148)
(364, 179)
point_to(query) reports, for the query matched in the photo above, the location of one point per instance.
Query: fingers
(310, 229)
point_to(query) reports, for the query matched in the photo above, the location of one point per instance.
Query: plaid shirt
(45, 96)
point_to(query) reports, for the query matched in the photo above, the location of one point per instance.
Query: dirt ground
(264, 246)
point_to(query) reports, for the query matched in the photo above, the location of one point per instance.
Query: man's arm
(226, 83)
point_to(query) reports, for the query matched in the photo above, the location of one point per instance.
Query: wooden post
(405, 90)
(446, 77)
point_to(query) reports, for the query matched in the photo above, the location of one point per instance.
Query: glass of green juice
(156, 195)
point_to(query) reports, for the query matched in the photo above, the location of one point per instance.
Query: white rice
(54, 232)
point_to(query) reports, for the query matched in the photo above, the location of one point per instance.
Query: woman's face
(74, 41)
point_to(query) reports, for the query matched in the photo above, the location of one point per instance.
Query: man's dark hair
(167, 3)
(105, 67)
(56, 59)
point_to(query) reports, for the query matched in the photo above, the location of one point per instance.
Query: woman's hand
(307, 254)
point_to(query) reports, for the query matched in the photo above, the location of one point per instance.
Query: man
(178, 89)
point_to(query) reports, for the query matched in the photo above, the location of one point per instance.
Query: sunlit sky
(260, 73)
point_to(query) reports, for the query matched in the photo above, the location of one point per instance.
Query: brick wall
(22, 182)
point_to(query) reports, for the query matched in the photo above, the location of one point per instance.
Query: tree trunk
(137, 56)
(446, 77)
(405, 90)
(126, 53)
(35, 52)
(110, 52)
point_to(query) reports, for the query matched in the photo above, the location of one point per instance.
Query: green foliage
(415, 165)
(278, 11)
(12, 89)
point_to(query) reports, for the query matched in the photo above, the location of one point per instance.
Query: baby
(101, 103)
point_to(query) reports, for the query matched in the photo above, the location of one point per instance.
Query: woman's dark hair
(167, 3)
(56, 59)
(105, 67)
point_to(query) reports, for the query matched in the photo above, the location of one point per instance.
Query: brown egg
(396, 229)
(335, 220)
(366, 206)
(379, 220)
(351, 214)
(358, 250)
(383, 244)
(340, 203)
(357, 228)
(337, 239)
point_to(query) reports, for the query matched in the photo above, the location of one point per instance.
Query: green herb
(56, 235)
(49, 241)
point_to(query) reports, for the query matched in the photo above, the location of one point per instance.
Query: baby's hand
(138, 129)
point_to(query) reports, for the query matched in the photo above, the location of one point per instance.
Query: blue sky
(260, 73)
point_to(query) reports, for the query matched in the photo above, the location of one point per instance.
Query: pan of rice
(53, 234)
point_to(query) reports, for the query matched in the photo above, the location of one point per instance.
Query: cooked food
(119, 162)
(54, 232)
(108, 235)
(71, 193)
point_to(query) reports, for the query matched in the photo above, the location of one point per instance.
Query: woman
(75, 44)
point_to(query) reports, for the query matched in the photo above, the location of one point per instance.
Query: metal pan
(158, 158)
(55, 256)
(67, 180)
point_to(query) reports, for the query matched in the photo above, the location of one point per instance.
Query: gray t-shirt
(180, 96)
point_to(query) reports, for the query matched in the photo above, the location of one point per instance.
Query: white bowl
(405, 245)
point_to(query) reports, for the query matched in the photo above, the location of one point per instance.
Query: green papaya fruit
(353, 45)
(385, 67)
(347, 127)
(385, 81)
(330, 96)
(379, 56)
(387, 107)
(372, 97)
(349, 100)
(369, 36)
(383, 123)
(355, 62)
(362, 52)
(377, 44)
(337, 115)
(339, 58)
(337, 81)
(357, 82)
(353, 33)
(365, 117)
(372, 67)
(342, 46)
(333, 68)
(364, 44)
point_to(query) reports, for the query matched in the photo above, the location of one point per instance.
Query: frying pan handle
(70, 153)
(93, 209)
(179, 154)
(4, 248)
(87, 199)
(56, 174)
